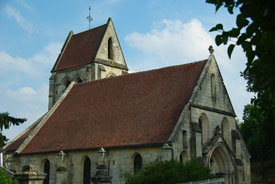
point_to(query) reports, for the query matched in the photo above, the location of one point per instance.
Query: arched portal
(221, 164)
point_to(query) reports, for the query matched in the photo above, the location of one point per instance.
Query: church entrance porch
(221, 164)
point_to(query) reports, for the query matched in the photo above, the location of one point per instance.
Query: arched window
(65, 84)
(110, 48)
(78, 80)
(202, 131)
(87, 171)
(137, 163)
(204, 125)
(225, 128)
(110, 74)
(47, 171)
(213, 85)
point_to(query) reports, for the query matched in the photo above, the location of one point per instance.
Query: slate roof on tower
(130, 110)
(80, 49)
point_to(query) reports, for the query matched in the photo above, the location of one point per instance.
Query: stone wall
(70, 170)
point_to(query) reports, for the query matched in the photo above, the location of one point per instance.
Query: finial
(89, 17)
(211, 50)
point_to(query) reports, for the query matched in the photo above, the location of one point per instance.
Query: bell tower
(90, 55)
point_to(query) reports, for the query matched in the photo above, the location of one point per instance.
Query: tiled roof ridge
(140, 72)
(90, 30)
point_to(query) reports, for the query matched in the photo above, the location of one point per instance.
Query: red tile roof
(134, 109)
(15, 145)
(81, 49)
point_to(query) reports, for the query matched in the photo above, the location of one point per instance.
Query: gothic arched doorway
(87, 171)
(47, 171)
(221, 164)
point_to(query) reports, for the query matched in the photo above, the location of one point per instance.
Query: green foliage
(169, 172)
(5, 179)
(250, 129)
(5, 122)
(255, 33)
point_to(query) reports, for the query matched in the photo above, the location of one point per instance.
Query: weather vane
(89, 17)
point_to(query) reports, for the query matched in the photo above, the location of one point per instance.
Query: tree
(170, 172)
(250, 130)
(5, 179)
(255, 33)
(5, 122)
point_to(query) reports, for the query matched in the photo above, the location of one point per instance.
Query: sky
(152, 33)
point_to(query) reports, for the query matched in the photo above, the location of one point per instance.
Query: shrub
(169, 172)
(5, 179)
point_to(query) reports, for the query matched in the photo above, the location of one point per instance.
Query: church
(102, 122)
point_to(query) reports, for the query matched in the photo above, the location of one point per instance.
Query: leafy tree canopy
(170, 172)
(5, 122)
(255, 33)
(5, 179)
(250, 129)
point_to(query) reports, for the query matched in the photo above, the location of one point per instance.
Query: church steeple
(87, 56)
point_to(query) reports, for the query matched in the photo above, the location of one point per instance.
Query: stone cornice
(213, 110)
(112, 64)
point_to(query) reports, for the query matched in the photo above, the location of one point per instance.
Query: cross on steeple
(89, 17)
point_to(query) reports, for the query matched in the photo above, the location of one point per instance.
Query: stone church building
(103, 122)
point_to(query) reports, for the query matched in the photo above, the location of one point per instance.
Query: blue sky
(152, 33)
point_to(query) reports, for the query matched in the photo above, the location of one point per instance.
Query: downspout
(169, 146)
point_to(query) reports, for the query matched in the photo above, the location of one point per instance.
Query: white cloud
(25, 5)
(24, 85)
(172, 42)
(24, 102)
(33, 66)
(25, 24)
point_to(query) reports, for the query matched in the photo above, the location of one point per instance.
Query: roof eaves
(107, 147)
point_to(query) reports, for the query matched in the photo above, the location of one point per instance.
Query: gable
(117, 54)
(212, 93)
(130, 110)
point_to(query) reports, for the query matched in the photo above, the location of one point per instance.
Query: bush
(5, 179)
(169, 172)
